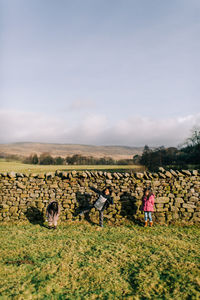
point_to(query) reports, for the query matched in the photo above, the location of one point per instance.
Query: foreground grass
(79, 262)
(8, 166)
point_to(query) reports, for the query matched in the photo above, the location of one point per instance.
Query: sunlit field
(8, 166)
(77, 261)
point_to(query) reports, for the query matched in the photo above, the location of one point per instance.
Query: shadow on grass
(26, 260)
(35, 216)
(133, 279)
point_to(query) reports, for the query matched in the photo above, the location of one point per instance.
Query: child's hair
(150, 192)
(53, 208)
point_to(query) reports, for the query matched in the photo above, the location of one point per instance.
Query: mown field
(77, 261)
(8, 166)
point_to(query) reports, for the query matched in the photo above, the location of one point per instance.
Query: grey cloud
(95, 129)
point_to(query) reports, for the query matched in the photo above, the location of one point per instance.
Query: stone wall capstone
(25, 197)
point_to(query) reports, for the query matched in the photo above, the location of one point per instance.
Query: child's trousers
(147, 215)
(100, 214)
(53, 223)
(52, 220)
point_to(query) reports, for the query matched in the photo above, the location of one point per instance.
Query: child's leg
(150, 216)
(55, 223)
(50, 220)
(88, 209)
(50, 223)
(150, 219)
(101, 218)
(145, 218)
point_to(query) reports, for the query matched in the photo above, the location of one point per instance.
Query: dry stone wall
(25, 197)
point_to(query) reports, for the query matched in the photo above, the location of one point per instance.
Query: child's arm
(152, 199)
(95, 190)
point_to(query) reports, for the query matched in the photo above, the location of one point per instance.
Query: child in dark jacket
(52, 213)
(103, 201)
(147, 206)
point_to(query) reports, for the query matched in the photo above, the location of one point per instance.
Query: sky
(102, 72)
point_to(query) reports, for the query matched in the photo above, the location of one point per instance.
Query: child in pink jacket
(147, 206)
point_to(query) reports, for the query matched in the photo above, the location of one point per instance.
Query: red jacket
(147, 204)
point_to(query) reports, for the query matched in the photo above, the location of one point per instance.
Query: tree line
(76, 159)
(187, 154)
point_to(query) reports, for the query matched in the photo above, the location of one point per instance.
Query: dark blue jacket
(109, 199)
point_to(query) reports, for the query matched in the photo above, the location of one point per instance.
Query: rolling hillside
(25, 149)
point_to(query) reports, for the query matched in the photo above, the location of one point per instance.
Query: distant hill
(63, 150)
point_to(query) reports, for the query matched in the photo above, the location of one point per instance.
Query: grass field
(8, 166)
(78, 262)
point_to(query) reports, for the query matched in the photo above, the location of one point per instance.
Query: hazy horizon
(99, 72)
(27, 142)
(89, 145)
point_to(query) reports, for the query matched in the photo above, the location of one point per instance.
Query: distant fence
(25, 197)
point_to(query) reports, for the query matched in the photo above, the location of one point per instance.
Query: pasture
(79, 261)
(8, 166)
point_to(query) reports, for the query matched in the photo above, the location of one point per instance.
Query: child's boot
(151, 223)
(145, 224)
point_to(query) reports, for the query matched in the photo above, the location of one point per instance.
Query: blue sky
(99, 72)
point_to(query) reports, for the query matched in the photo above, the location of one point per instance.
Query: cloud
(95, 129)
(79, 105)
(154, 132)
(27, 126)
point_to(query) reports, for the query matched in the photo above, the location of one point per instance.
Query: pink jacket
(147, 204)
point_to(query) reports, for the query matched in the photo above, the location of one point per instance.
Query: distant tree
(34, 159)
(160, 156)
(169, 156)
(155, 160)
(187, 154)
(31, 159)
(77, 159)
(27, 160)
(59, 160)
(194, 140)
(124, 162)
(136, 159)
(46, 159)
(190, 152)
(146, 156)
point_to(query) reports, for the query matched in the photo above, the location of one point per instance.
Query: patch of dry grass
(78, 262)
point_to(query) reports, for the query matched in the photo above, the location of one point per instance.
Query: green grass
(78, 262)
(8, 166)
